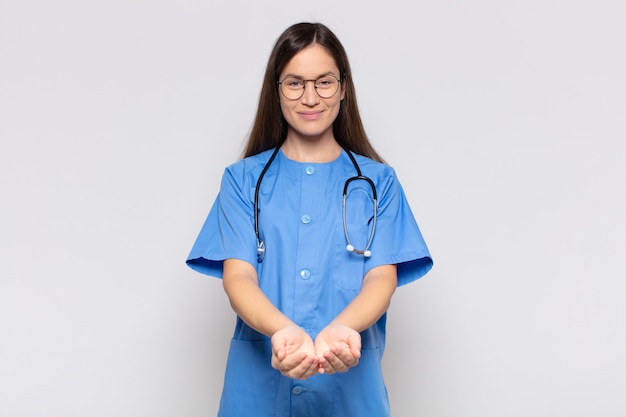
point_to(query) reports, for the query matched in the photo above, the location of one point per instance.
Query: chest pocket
(349, 267)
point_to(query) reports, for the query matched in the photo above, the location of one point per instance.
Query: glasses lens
(292, 88)
(327, 86)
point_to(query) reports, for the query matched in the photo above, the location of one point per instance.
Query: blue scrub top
(308, 274)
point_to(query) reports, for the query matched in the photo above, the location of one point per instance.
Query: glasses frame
(280, 86)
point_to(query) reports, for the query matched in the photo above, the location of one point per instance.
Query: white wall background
(506, 123)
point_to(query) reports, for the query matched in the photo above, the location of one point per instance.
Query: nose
(310, 97)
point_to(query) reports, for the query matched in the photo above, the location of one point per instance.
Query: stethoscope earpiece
(367, 253)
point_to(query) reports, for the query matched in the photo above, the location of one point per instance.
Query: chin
(310, 134)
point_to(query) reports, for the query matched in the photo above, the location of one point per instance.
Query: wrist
(341, 323)
(284, 325)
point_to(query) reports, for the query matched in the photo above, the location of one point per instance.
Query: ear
(343, 92)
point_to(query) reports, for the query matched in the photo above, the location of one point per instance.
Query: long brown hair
(270, 128)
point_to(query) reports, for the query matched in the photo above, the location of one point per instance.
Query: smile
(310, 115)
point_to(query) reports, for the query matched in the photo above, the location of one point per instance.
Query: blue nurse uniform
(308, 274)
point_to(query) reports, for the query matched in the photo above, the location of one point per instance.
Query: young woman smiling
(311, 234)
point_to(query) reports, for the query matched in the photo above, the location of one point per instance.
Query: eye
(325, 82)
(293, 83)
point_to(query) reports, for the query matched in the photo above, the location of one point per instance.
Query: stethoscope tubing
(350, 248)
(365, 252)
(260, 242)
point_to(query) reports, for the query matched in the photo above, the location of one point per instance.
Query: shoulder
(251, 163)
(384, 177)
(378, 171)
(247, 168)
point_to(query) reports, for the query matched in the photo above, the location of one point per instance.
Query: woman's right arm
(241, 284)
(293, 351)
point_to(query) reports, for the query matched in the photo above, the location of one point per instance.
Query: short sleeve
(398, 239)
(228, 231)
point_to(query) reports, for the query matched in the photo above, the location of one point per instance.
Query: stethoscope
(349, 247)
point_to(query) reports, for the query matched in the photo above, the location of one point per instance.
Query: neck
(316, 151)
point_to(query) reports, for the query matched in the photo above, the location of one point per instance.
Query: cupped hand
(293, 353)
(338, 348)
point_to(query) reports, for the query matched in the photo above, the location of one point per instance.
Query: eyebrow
(300, 77)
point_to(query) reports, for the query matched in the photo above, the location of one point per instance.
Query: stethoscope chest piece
(260, 250)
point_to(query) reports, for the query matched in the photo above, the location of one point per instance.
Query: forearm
(372, 301)
(248, 301)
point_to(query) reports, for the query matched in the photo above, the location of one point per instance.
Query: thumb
(278, 345)
(354, 341)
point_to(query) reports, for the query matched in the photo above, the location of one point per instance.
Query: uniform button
(297, 390)
(305, 274)
(306, 219)
(310, 170)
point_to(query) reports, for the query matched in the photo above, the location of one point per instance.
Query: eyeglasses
(325, 87)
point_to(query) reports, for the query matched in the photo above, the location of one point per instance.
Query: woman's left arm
(338, 345)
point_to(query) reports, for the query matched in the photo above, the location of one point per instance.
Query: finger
(292, 362)
(348, 357)
(306, 368)
(325, 367)
(312, 369)
(334, 363)
(320, 369)
(277, 362)
(345, 358)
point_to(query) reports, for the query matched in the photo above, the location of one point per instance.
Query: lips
(313, 115)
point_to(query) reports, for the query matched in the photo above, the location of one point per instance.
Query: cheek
(337, 105)
(286, 105)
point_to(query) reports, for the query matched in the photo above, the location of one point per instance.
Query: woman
(311, 234)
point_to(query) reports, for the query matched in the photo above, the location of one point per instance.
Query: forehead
(312, 61)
